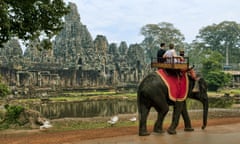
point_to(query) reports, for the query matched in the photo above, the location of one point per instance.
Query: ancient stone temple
(74, 42)
(75, 61)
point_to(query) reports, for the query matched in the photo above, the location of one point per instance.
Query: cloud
(121, 20)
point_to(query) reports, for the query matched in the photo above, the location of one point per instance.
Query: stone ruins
(76, 61)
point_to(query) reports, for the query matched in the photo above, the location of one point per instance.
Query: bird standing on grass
(46, 125)
(133, 119)
(113, 120)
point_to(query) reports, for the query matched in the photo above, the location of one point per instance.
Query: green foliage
(223, 38)
(157, 33)
(217, 79)
(194, 52)
(212, 70)
(13, 113)
(30, 19)
(231, 91)
(222, 102)
(211, 61)
(4, 91)
(214, 102)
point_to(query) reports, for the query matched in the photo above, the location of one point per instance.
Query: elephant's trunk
(205, 112)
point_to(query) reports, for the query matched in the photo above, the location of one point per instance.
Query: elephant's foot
(171, 131)
(158, 131)
(188, 129)
(145, 133)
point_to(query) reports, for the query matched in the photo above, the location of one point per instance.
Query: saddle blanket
(177, 84)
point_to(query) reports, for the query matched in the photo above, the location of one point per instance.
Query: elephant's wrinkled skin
(153, 92)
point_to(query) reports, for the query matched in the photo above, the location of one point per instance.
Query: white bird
(133, 119)
(113, 120)
(46, 125)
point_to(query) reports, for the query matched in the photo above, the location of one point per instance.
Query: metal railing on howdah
(170, 63)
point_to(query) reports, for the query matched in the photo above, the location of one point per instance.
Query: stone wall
(76, 60)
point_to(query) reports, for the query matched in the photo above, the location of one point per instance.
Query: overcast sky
(121, 20)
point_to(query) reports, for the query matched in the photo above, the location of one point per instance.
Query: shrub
(221, 102)
(214, 102)
(4, 91)
(13, 113)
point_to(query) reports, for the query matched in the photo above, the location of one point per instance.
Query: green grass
(231, 91)
(214, 94)
(69, 125)
(81, 96)
(83, 125)
(89, 93)
(224, 91)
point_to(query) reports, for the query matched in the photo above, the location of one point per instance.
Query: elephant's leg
(186, 118)
(143, 114)
(162, 111)
(177, 110)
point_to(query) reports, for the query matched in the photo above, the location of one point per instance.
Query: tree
(217, 79)
(224, 38)
(157, 33)
(30, 19)
(195, 52)
(212, 70)
(211, 61)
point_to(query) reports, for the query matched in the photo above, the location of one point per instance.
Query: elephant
(153, 92)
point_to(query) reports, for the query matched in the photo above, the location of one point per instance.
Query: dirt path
(67, 137)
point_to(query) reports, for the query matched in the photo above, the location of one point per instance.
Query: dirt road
(80, 136)
(219, 134)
